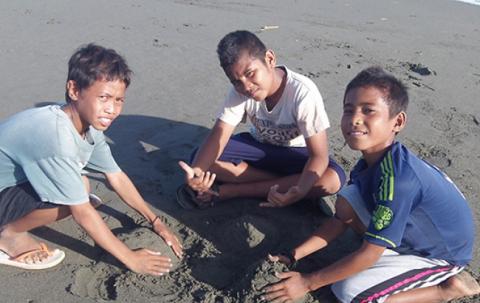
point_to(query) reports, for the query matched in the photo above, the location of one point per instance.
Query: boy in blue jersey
(43, 152)
(417, 227)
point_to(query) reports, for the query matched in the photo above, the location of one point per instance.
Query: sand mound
(107, 279)
(248, 233)
(258, 276)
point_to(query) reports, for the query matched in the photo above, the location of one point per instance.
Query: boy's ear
(270, 58)
(400, 122)
(72, 90)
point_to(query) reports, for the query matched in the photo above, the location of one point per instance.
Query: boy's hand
(198, 180)
(293, 286)
(169, 238)
(145, 261)
(277, 199)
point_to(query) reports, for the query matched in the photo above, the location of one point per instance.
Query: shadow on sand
(220, 242)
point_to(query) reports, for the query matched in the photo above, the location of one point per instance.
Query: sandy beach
(177, 90)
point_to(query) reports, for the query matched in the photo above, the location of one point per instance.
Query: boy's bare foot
(209, 198)
(15, 244)
(461, 285)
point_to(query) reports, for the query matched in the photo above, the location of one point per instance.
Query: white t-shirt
(299, 113)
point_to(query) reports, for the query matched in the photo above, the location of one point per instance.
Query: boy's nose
(357, 122)
(246, 86)
(251, 88)
(109, 107)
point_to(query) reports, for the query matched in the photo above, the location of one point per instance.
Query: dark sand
(178, 88)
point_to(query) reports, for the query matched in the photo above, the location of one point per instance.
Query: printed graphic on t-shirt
(382, 217)
(267, 131)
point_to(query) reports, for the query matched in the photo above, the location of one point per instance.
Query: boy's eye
(368, 110)
(250, 74)
(103, 98)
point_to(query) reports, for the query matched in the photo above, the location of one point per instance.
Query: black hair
(92, 62)
(232, 46)
(394, 91)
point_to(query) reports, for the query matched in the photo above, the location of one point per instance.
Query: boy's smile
(253, 78)
(366, 122)
(97, 105)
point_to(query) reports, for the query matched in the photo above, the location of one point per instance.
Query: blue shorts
(281, 160)
(18, 201)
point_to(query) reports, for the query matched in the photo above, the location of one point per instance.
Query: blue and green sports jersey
(415, 207)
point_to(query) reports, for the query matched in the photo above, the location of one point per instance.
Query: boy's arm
(124, 187)
(317, 163)
(140, 261)
(207, 154)
(295, 285)
(327, 232)
(213, 146)
(366, 256)
(315, 167)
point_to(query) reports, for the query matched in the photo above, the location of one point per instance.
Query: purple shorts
(281, 160)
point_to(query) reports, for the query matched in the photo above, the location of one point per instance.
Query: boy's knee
(329, 183)
(347, 215)
(341, 290)
(344, 211)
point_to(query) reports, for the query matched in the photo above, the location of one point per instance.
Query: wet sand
(177, 89)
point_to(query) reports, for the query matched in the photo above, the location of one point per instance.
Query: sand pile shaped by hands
(108, 280)
(257, 277)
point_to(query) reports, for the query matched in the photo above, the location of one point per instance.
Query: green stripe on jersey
(386, 187)
(381, 238)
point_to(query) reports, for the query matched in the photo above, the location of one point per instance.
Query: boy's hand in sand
(293, 286)
(277, 199)
(168, 237)
(197, 179)
(145, 261)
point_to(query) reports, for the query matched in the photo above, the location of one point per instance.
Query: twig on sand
(268, 27)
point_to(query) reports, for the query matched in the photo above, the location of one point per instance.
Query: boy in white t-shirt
(285, 156)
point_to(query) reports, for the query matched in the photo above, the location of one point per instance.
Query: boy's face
(366, 122)
(99, 104)
(252, 77)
